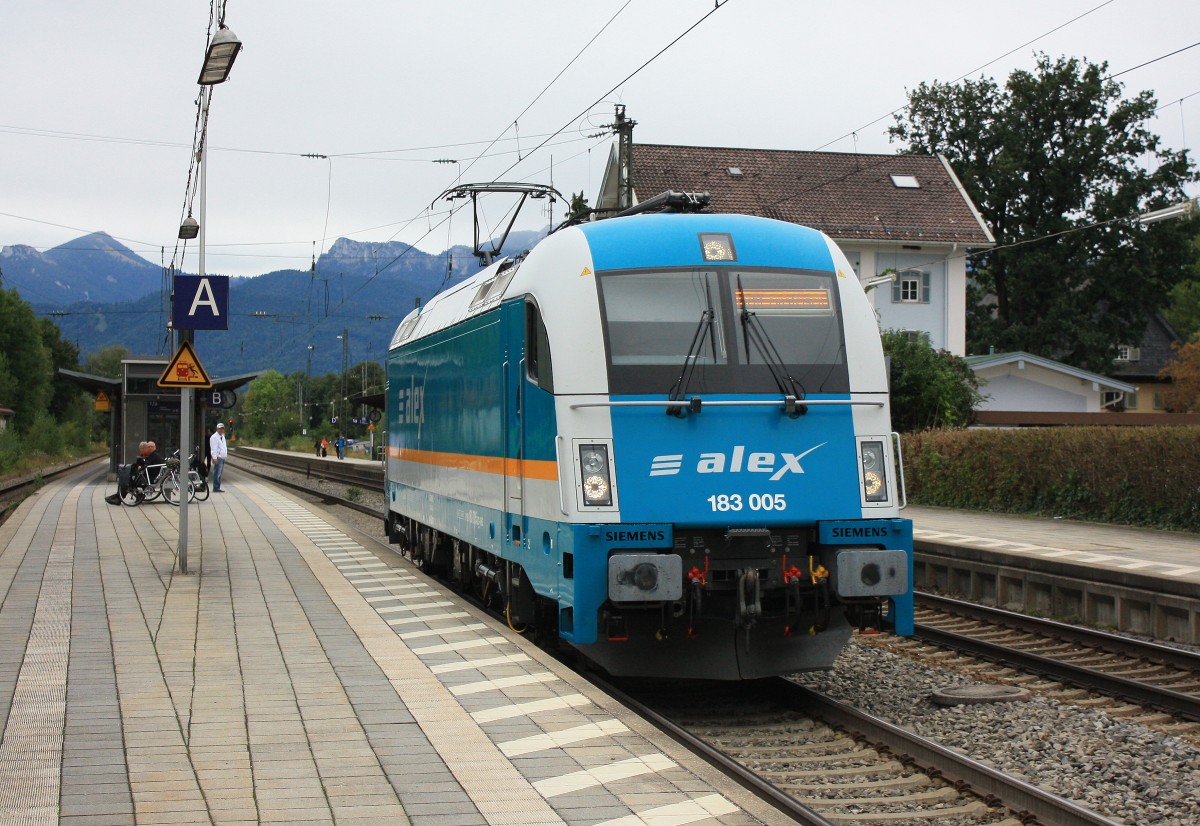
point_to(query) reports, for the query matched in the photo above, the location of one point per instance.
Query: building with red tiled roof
(906, 214)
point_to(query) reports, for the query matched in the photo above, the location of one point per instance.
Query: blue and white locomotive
(665, 438)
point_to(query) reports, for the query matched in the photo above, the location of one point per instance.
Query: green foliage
(1055, 150)
(270, 412)
(1127, 475)
(45, 437)
(106, 361)
(26, 374)
(10, 451)
(1183, 311)
(354, 494)
(579, 209)
(929, 388)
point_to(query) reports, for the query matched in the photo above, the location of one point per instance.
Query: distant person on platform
(317, 447)
(220, 451)
(324, 446)
(341, 446)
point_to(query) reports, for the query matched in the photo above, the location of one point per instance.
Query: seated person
(149, 458)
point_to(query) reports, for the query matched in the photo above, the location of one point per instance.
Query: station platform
(294, 675)
(1169, 556)
(1140, 581)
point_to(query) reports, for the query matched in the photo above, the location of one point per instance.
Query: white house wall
(944, 318)
(1034, 388)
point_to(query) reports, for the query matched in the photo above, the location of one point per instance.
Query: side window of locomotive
(537, 349)
(662, 318)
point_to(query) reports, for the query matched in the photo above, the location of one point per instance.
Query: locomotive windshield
(741, 329)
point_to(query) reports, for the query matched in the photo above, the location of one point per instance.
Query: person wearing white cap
(216, 444)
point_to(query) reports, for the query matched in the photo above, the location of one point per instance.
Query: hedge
(1145, 476)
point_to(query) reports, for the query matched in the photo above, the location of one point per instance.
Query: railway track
(843, 764)
(12, 491)
(1157, 680)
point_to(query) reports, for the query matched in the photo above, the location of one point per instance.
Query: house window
(1131, 401)
(911, 288)
(1127, 353)
(1157, 403)
(1111, 400)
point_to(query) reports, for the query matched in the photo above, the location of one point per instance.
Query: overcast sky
(99, 101)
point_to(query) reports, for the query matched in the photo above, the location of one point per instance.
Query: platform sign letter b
(201, 302)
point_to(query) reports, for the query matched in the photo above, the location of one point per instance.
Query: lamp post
(344, 338)
(304, 396)
(223, 49)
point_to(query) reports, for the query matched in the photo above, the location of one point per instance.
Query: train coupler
(749, 593)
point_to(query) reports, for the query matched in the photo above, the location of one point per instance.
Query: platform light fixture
(189, 229)
(222, 51)
(1180, 210)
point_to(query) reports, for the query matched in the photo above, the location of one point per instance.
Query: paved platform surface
(1165, 555)
(292, 676)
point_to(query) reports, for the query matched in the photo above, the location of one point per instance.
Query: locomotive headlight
(593, 460)
(597, 481)
(874, 471)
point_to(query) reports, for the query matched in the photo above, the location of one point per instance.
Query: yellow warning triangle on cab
(184, 370)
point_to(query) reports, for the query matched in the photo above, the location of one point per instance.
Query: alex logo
(737, 461)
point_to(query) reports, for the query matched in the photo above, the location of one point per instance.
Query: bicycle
(198, 477)
(140, 487)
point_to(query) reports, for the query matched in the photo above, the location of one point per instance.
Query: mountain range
(99, 293)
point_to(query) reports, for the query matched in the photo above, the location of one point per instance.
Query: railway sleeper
(905, 781)
(930, 796)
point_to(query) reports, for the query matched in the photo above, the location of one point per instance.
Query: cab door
(512, 320)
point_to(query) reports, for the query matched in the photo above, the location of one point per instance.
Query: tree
(929, 388)
(1183, 312)
(1182, 395)
(1052, 152)
(26, 373)
(270, 410)
(106, 361)
(66, 397)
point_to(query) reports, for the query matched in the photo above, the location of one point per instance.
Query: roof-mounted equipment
(670, 201)
(535, 191)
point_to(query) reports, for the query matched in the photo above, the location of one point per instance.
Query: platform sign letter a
(201, 302)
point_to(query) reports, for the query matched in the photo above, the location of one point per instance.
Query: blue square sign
(201, 302)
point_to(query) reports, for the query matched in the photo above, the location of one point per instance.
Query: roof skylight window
(906, 182)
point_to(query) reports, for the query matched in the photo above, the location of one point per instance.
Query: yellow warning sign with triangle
(184, 370)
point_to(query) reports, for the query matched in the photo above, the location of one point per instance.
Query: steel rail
(764, 789)
(319, 468)
(1023, 798)
(324, 496)
(13, 491)
(1186, 706)
(1091, 637)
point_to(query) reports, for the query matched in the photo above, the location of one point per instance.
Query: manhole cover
(960, 695)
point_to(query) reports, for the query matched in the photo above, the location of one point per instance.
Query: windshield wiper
(704, 330)
(754, 332)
